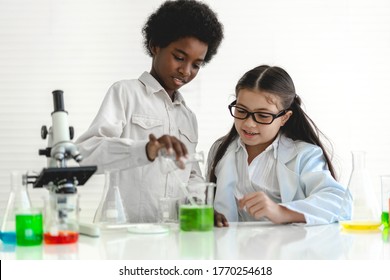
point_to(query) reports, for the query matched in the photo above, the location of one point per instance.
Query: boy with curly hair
(139, 117)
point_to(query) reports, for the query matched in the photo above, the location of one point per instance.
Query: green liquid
(29, 229)
(385, 219)
(196, 217)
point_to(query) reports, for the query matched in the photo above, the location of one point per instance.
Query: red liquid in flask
(63, 237)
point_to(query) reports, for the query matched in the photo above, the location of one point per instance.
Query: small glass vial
(169, 163)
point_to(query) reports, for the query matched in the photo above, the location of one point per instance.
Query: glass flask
(18, 200)
(111, 210)
(62, 218)
(168, 162)
(360, 193)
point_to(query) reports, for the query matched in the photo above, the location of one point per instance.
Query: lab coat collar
(273, 147)
(154, 86)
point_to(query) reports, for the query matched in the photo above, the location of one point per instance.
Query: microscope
(62, 210)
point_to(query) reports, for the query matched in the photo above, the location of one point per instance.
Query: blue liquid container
(8, 237)
(18, 199)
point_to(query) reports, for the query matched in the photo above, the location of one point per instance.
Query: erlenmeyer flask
(111, 210)
(365, 209)
(18, 200)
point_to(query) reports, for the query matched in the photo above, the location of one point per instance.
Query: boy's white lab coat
(306, 185)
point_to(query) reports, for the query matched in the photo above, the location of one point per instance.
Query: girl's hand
(170, 143)
(220, 220)
(259, 205)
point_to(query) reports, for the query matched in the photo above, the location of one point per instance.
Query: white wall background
(337, 52)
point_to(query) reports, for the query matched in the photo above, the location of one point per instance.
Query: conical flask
(111, 210)
(18, 200)
(365, 213)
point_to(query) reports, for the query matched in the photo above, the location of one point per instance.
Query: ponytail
(301, 127)
(226, 141)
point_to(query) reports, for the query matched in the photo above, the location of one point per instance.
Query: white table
(239, 241)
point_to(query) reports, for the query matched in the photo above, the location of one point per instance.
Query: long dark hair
(277, 81)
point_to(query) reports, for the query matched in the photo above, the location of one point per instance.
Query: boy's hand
(170, 143)
(220, 220)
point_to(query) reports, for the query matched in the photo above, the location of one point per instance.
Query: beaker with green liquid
(29, 227)
(196, 212)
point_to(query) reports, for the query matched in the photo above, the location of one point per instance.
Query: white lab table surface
(239, 241)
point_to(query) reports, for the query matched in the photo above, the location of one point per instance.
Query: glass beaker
(29, 227)
(168, 162)
(168, 209)
(365, 209)
(62, 218)
(18, 200)
(196, 212)
(111, 210)
(385, 195)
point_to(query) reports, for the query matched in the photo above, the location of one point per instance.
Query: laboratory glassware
(385, 196)
(18, 200)
(360, 193)
(61, 218)
(197, 214)
(169, 163)
(29, 227)
(111, 209)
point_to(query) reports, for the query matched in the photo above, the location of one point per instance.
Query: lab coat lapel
(288, 179)
(227, 178)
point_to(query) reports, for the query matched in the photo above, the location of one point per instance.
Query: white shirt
(116, 139)
(258, 175)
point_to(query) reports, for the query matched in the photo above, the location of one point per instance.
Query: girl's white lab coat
(306, 185)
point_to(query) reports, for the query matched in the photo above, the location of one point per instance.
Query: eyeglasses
(259, 117)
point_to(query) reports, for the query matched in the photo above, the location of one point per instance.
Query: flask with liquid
(18, 200)
(111, 210)
(360, 193)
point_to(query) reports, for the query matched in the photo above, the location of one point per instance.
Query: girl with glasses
(272, 165)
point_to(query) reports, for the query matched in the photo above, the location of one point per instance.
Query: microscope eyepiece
(58, 100)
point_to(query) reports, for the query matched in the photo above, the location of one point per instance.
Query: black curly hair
(174, 20)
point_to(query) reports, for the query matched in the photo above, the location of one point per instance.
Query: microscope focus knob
(44, 132)
(45, 152)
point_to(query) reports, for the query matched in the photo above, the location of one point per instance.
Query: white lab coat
(306, 185)
(116, 139)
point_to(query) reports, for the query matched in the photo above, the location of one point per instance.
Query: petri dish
(147, 229)
(360, 225)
